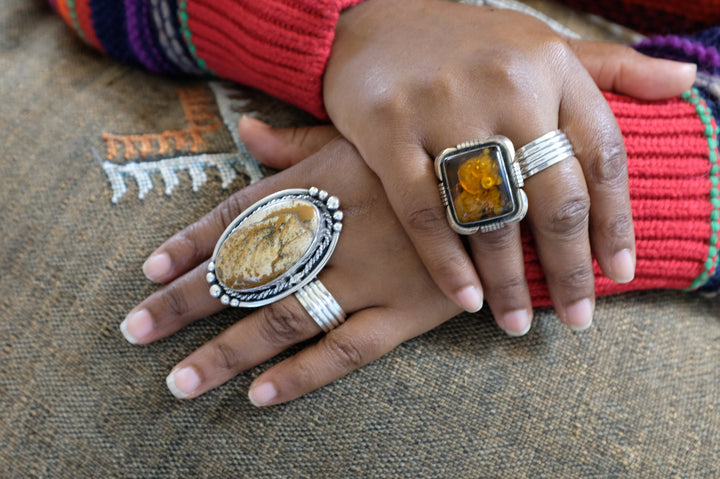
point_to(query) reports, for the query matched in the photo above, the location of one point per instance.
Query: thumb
(620, 69)
(281, 148)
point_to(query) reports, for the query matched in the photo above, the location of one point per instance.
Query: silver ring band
(549, 149)
(321, 305)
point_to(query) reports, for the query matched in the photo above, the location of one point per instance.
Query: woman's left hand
(375, 274)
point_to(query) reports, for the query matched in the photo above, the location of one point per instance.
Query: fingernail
(157, 267)
(251, 120)
(578, 316)
(183, 382)
(516, 323)
(622, 267)
(470, 299)
(136, 326)
(690, 68)
(262, 394)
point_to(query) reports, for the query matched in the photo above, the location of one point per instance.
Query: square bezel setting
(480, 185)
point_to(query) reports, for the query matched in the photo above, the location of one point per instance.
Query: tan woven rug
(637, 395)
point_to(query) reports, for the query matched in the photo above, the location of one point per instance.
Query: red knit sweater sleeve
(279, 46)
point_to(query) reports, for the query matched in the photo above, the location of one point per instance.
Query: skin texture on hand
(375, 275)
(407, 79)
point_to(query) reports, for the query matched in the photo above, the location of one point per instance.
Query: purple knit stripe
(683, 49)
(53, 4)
(141, 40)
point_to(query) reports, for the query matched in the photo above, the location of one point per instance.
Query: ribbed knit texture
(654, 16)
(280, 47)
(144, 40)
(108, 21)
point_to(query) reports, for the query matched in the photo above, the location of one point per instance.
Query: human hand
(405, 80)
(375, 275)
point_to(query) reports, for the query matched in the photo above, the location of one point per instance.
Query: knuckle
(175, 302)
(427, 220)
(506, 67)
(506, 288)
(569, 217)
(620, 226)
(443, 85)
(388, 103)
(281, 324)
(228, 210)
(225, 356)
(347, 354)
(577, 278)
(188, 240)
(609, 165)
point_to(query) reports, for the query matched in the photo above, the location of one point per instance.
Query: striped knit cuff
(673, 175)
(279, 46)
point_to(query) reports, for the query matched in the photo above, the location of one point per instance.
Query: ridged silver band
(544, 152)
(321, 305)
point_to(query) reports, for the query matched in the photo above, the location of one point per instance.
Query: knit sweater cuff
(279, 46)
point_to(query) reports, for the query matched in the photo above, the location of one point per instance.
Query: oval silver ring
(275, 247)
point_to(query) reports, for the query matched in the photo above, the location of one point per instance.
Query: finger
(257, 338)
(600, 149)
(412, 190)
(499, 258)
(558, 214)
(620, 69)
(497, 255)
(366, 336)
(194, 244)
(281, 148)
(170, 309)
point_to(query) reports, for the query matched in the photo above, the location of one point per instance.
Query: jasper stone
(267, 244)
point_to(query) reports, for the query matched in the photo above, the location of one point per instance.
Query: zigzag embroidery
(199, 121)
(168, 168)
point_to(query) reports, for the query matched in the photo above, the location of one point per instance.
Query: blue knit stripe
(109, 23)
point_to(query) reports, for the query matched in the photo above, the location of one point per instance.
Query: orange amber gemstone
(479, 173)
(481, 191)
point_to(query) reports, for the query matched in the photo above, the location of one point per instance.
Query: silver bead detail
(215, 291)
(333, 203)
(210, 277)
(338, 216)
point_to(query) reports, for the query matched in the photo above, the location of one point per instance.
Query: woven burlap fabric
(637, 395)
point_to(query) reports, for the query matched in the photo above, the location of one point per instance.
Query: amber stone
(479, 187)
(267, 244)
